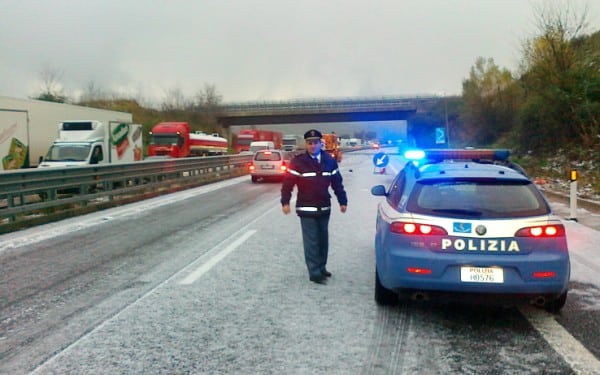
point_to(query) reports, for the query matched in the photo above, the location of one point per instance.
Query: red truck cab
(170, 139)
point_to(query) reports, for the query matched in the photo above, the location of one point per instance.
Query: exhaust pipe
(539, 301)
(419, 296)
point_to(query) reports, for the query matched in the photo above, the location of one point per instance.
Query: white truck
(88, 142)
(261, 145)
(292, 142)
(28, 127)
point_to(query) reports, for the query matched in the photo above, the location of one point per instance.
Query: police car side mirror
(378, 190)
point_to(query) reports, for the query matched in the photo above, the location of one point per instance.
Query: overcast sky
(260, 49)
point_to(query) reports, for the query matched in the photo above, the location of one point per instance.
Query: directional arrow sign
(381, 160)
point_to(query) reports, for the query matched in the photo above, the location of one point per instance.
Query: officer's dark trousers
(315, 236)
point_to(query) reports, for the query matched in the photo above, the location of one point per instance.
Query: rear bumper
(518, 272)
(268, 174)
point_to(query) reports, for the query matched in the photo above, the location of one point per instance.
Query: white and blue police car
(468, 223)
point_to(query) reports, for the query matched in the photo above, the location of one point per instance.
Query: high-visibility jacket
(313, 180)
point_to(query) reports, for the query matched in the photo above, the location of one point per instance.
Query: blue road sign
(440, 135)
(380, 160)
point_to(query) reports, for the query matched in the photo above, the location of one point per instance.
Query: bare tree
(208, 106)
(51, 85)
(209, 98)
(92, 92)
(174, 101)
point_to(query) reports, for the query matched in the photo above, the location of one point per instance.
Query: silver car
(269, 164)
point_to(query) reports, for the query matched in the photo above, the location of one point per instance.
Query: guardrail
(34, 196)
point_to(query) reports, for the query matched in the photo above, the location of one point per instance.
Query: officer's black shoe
(318, 279)
(326, 273)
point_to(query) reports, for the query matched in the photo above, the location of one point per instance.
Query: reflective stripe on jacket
(313, 180)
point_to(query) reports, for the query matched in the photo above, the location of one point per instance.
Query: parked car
(468, 223)
(269, 165)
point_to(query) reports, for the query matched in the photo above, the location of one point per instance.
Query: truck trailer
(28, 127)
(176, 140)
(293, 143)
(88, 142)
(247, 136)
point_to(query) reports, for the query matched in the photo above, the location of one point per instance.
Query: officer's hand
(343, 208)
(285, 208)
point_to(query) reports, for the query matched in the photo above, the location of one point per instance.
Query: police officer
(313, 172)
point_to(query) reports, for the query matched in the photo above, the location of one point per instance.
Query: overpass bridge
(384, 108)
(421, 127)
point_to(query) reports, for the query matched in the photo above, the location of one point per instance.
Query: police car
(468, 223)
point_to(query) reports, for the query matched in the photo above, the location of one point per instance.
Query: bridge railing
(34, 196)
(384, 102)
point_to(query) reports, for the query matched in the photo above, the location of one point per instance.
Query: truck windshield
(165, 139)
(68, 153)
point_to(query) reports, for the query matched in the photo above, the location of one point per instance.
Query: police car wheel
(254, 179)
(554, 306)
(383, 296)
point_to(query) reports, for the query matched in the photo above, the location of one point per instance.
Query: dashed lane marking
(215, 259)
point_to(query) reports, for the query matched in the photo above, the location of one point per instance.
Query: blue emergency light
(457, 154)
(414, 155)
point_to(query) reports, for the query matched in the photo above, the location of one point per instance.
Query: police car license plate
(267, 166)
(482, 275)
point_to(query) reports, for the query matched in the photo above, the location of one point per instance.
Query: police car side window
(396, 189)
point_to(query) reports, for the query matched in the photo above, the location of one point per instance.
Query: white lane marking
(576, 355)
(215, 259)
(63, 352)
(43, 232)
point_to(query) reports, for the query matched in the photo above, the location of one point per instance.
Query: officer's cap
(312, 134)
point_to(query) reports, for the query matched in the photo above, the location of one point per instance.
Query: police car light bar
(457, 154)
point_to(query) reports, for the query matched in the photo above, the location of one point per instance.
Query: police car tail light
(542, 231)
(544, 274)
(417, 229)
(251, 167)
(419, 271)
(283, 167)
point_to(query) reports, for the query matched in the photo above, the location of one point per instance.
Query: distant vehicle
(175, 139)
(269, 164)
(88, 142)
(331, 146)
(247, 136)
(293, 143)
(468, 223)
(261, 145)
(375, 145)
(350, 142)
(28, 128)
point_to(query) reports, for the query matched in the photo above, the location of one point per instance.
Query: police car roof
(466, 163)
(468, 169)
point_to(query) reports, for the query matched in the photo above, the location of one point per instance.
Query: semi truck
(28, 128)
(88, 142)
(247, 136)
(176, 140)
(293, 143)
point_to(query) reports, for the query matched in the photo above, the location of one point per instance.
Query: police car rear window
(487, 199)
(267, 156)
